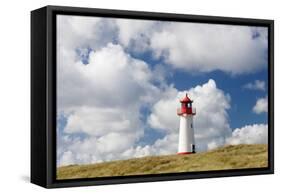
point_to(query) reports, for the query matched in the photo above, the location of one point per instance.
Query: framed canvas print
(126, 96)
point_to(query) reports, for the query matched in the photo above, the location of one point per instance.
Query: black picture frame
(43, 95)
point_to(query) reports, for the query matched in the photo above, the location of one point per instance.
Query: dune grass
(229, 157)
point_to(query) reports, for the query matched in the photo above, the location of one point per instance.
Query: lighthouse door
(193, 148)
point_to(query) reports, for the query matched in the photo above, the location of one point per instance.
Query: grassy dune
(229, 157)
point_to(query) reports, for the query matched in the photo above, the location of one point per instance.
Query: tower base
(184, 153)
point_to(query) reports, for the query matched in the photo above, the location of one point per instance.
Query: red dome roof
(185, 99)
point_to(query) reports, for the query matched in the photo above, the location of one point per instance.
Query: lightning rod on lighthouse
(186, 130)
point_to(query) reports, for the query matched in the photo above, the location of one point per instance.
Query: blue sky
(119, 82)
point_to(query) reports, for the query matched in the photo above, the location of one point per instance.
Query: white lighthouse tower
(186, 131)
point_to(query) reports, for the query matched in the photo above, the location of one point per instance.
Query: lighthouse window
(191, 125)
(188, 105)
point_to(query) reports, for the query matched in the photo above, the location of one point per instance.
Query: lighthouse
(186, 130)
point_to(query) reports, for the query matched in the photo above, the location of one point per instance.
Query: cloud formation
(256, 85)
(112, 76)
(102, 100)
(249, 134)
(261, 106)
(199, 47)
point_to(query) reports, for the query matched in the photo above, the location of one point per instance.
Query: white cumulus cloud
(102, 100)
(209, 47)
(256, 85)
(81, 32)
(99, 121)
(261, 105)
(67, 158)
(198, 47)
(249, 134)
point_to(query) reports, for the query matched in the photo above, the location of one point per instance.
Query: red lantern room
(186, 106)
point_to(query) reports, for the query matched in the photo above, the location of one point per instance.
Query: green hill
(229, 157)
